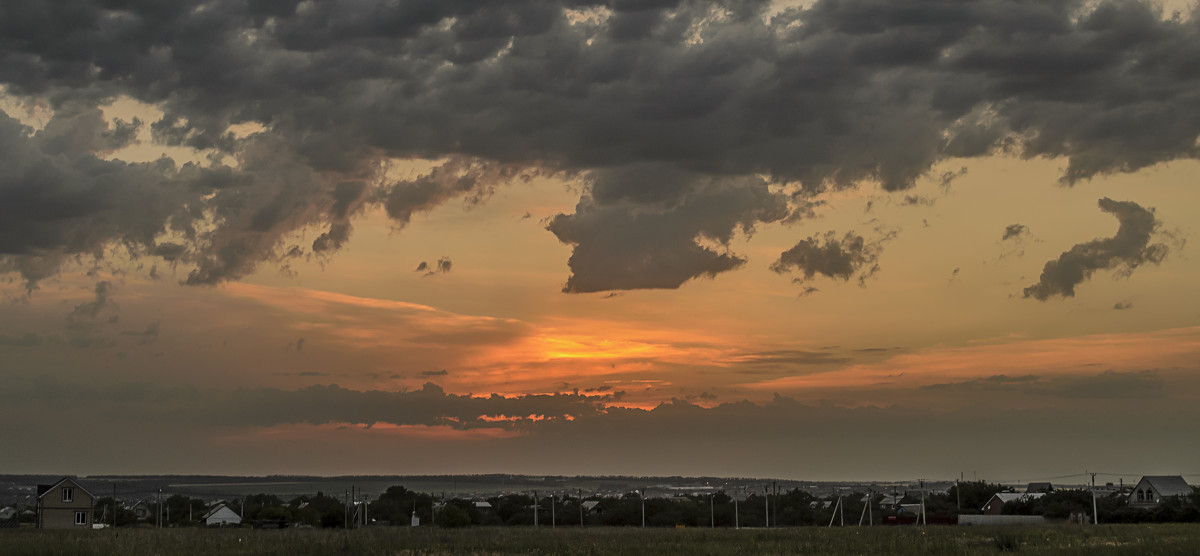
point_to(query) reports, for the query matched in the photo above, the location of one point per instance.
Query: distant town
(100, 502)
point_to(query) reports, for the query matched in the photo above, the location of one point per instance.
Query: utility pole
(553, 520)
(712, 514)
(346, 511)
(870, 509)
(767, 503)
(923, 519)
(535, 510)
(158, 509)
(736, 525)
(114, 520)
(958, 494)
(581, 508)
(642, 493)
(775, 513)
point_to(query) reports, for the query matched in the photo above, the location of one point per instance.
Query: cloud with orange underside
(484, 353)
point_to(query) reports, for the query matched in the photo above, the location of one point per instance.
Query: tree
(453, 516)
(974, 495)
(103, 508)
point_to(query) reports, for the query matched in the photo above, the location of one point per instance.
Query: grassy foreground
(1170, 539)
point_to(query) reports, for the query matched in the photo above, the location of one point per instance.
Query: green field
(1182, 539)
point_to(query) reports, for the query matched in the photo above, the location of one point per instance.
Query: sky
(827, 240)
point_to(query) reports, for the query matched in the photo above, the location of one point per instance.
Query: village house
(64, 505)
(1152, 489)
(995, 504)
(221, 515)
(140, 509)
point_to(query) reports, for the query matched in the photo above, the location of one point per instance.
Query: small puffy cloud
(1125, 251)
(850, 256)
(427, 374)
(440, 266)
(1123, 305)
(1014, 231)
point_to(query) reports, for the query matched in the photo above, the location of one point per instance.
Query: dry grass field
(1170, 539)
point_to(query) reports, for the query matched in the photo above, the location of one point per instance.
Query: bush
(452, 516)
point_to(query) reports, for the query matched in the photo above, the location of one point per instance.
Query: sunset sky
(857, 239)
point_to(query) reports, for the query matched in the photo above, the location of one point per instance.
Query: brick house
(64, 505)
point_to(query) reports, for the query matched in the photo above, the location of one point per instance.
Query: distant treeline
(398, 506)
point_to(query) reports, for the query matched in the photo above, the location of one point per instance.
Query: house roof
(1168, 485)
(218, 508)
(1006, 497)
(43, 489)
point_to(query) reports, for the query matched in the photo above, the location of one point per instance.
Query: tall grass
(1163, 539)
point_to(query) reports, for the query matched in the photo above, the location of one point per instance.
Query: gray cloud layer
(674, 108)
(1127, 250)
(181, 427)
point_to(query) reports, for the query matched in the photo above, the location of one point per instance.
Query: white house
(1153, 488)
(221, 515)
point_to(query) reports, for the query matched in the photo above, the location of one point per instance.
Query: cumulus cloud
(1125, 251)
(1123, 305)
(646, 228)
(850, 256)
(687, 93)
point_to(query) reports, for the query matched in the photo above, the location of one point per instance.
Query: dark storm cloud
(687, 92)
(839, 258)
(1125, 251)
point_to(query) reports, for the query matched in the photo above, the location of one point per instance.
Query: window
(80, 518)
(68, 494)
(1141, 495)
